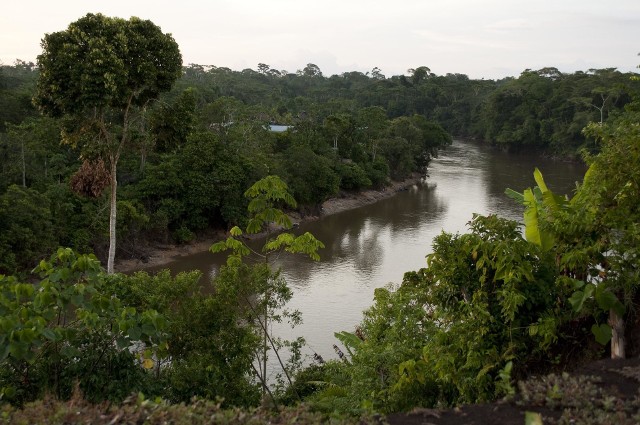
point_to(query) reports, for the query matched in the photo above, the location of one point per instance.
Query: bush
(70, 328)
(352, 176)
(483, 310)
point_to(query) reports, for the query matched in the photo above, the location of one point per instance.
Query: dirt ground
(617, 381)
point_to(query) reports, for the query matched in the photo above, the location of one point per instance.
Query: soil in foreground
(602, 392)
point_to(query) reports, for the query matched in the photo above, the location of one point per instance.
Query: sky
(488, 39)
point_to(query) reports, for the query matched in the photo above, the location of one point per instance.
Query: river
(373, 246)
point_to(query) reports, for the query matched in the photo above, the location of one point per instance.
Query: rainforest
(111, 152)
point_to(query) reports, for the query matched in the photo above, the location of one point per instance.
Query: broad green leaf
(122, 342)
(516, 196)
(607, 300)
(134, 333)
(218, 247)
(578, 298)
(306, 244)
(531, 230)
(254, 226)
(602, 333)
(283, 240)
(537, 175)
(49, 334)
(349, 339)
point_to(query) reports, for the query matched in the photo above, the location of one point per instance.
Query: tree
(311, 70)
(484, 308)
(372, 121)
(34, 143)
(97, 74)
(376, 73)
(337, 125)
(419, 74)
(606, 212)
(595, 235)
(268, 291)
(171, 123)
(26, 233)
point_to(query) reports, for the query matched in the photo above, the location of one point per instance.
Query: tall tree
(98, 73)
(271, 291)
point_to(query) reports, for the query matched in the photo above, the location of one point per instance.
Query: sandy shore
(158, 255)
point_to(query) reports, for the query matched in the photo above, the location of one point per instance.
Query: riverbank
(161, 254)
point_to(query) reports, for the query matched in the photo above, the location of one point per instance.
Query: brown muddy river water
(373, 246)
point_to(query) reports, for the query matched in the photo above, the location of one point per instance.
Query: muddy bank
(351, 201)
(158, 255)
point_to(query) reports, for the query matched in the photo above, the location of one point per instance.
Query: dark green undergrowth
(555, 399)
(138, 410)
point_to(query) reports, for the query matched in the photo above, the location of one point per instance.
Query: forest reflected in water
(373, 246)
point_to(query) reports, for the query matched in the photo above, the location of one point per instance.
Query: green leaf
(532, 418)
(602, 333)
(350, 340)
(607, 300)
(254, 226)
(283, 239)
(69, 351)
(537, 175)
(135, 333)
(516, 196)
(122, 342)
(4, 350)
(531, 230)
(218, 247)
(49, 334)
(578, 298)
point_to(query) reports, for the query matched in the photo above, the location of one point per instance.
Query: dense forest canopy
(192, 153)
(195, 150)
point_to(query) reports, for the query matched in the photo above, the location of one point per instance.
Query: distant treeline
(203, 144)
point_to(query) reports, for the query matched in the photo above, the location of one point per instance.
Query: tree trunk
(617, 335)
(24, 167)
(112, 218)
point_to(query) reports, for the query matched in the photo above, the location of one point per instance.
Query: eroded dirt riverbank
(158, 255)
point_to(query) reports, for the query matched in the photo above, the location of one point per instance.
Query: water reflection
(371, 246)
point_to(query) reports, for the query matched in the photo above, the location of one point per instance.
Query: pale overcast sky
(480, 38)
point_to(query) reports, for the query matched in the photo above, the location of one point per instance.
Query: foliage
(70, 328)
(595, 235)
(541, 205)
(139, 409)
(190, 155)
(311, 177)
(489, 291)
(95, 75)
(488, 306)
(210, 349)
(548, 109)
(114, 63)
(598, 237)
(482, 313)
(262, 289)
(25, 228)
